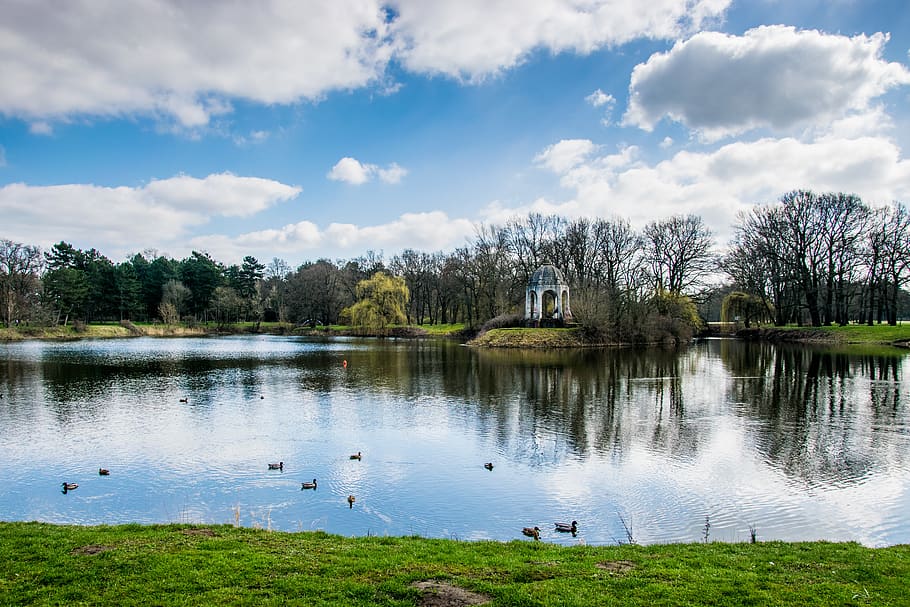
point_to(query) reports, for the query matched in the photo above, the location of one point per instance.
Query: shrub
(503, 321)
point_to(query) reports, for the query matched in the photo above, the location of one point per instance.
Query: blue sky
(303, 130)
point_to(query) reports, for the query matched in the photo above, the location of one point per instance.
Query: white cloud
(393, 174)
(81, 58)
(598, 98)
(254, 137)
(717, 184)
(566, 154)
(184, 61)
(773, 76)
(110, 218)
(40, 128)
(350, 170)
(472, 39)
(430, 231)
(221, 194)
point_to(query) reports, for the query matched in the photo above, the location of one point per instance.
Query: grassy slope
(850, 334)
(223, 565)
(529, 338)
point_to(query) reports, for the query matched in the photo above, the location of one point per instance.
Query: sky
(306, 129)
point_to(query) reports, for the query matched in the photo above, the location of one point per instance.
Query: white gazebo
(547, 297)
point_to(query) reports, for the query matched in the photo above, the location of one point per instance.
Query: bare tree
(20, 268)
(895, 256)
(678, 252)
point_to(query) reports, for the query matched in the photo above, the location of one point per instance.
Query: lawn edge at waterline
(519, 337)
(127, 329)
(220, 565)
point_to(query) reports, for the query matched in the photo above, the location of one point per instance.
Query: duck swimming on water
(308, 485)
(103, 471)
(70, 486)
(567, 528)
(278, 466)
(351, 500)
(532, 532)
(356, 456)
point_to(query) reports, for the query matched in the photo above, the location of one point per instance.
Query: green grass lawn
(43, 564)
(849, 334)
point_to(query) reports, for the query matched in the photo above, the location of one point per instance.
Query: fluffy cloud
(350, 170)
(472, 39)
(598, 98)
(773, 76)
(220, 194)
(60, 60)
(720, 183)
(565, 155)
(163, 211)
(430, 231)
(80, 57)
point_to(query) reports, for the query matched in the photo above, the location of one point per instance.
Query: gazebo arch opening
(548, 308)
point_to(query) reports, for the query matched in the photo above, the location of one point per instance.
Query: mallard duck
(70, 486)
(532, 532)
(566, 527)
(278, 466)
(356, 455)
(488, 465)
(351, 500)
(308, 485)
(103, 471)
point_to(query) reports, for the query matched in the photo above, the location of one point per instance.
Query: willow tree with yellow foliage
(383, 301)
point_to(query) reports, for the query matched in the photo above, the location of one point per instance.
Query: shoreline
(181, 564)
(504, 338)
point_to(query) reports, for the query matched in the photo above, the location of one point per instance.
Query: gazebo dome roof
(547, 274)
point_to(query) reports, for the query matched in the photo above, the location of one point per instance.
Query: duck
(532, 532)
(70, 486)
(351, 500)
(183, 400)
(308, 485)
(488, 465)
(103, 471)
(567, 527)
(278, 466)
(356, 455)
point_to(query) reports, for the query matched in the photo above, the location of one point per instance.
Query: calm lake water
(801, 443)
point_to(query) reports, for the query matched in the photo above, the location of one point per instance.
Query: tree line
(808, 258)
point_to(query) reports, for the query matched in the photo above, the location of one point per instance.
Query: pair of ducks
(74, 486)
(561, 527)
(280, 465)
(351, 498)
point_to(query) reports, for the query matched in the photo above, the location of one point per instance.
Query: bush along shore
(45, 564)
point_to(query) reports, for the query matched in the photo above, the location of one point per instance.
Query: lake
(797, 443)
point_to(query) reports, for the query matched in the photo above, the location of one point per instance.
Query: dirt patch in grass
(616, 566)
(440, 594)
(90, 550)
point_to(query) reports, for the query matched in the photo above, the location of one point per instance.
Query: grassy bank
(898, 335)
(112, 330)
(223, 565)
(530, 338)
